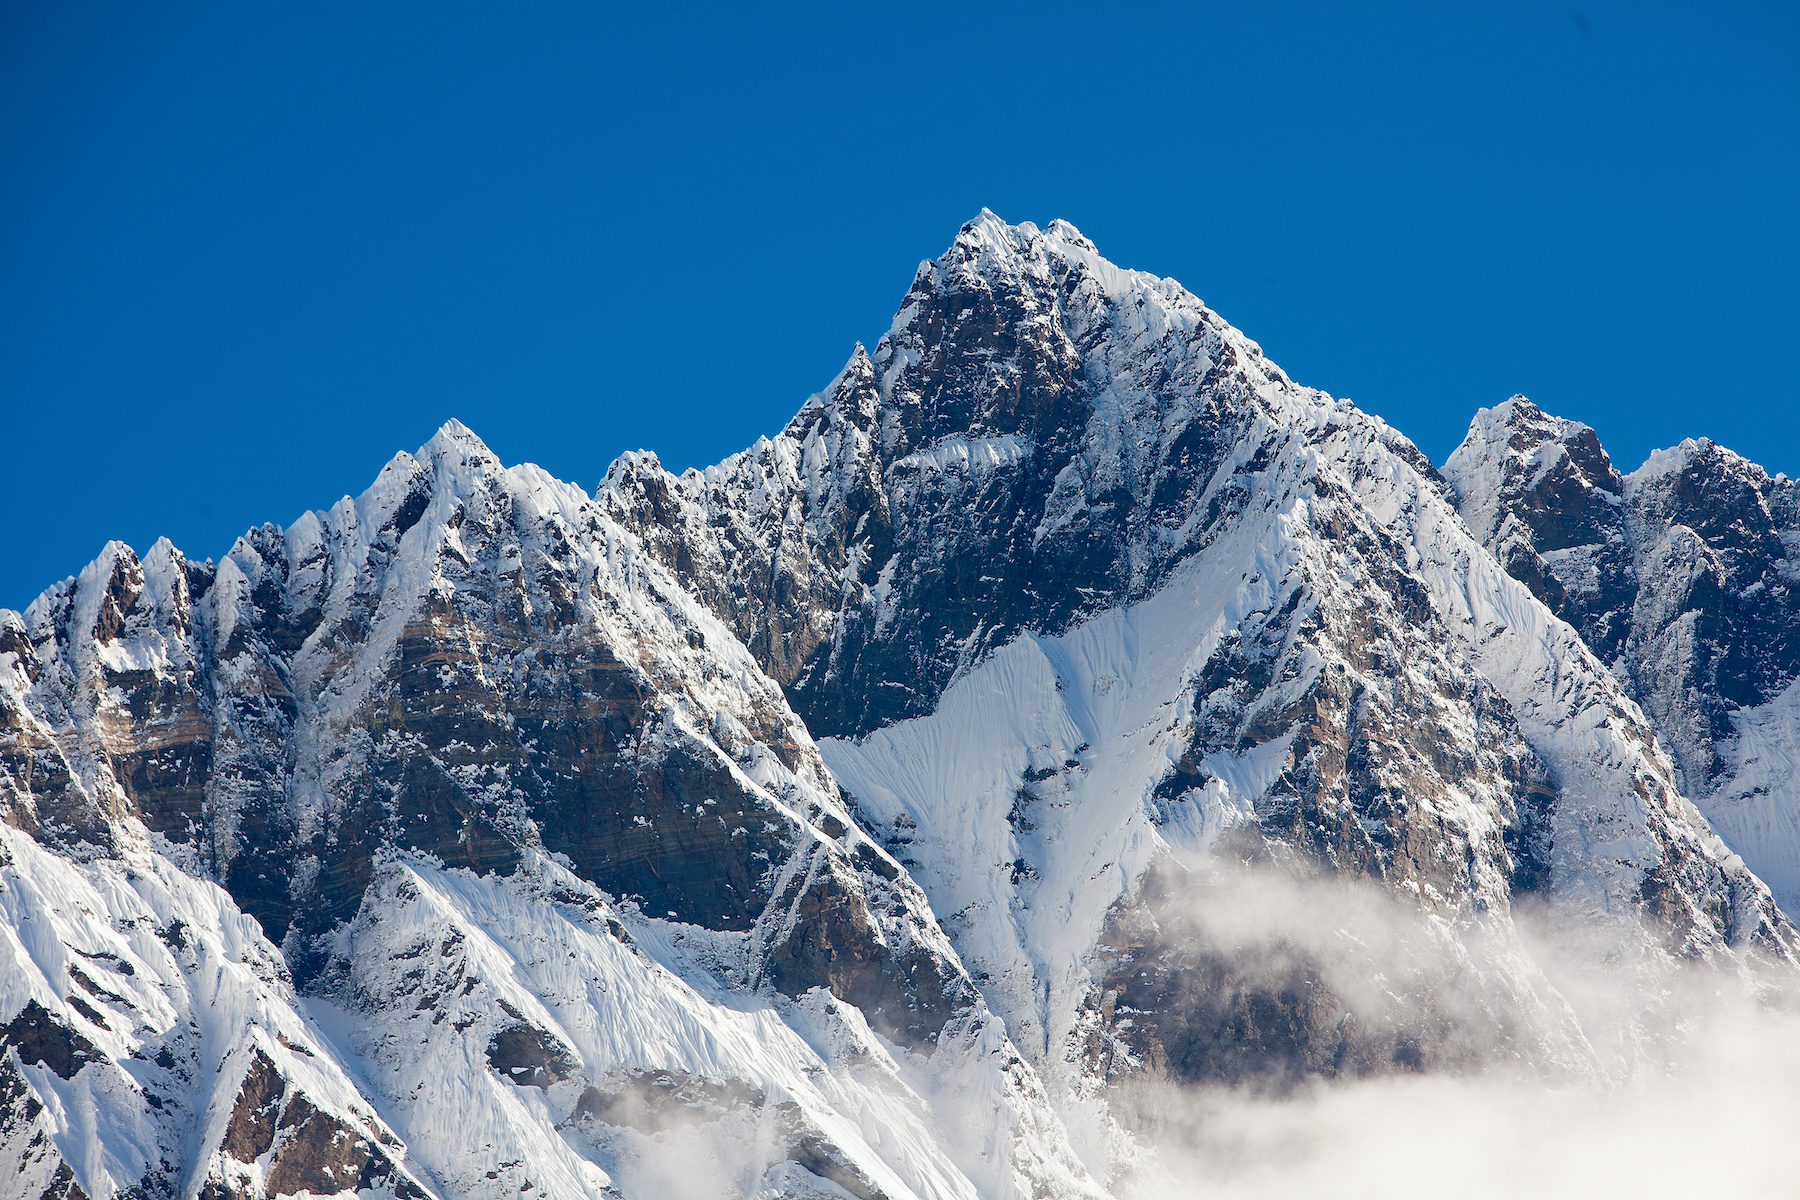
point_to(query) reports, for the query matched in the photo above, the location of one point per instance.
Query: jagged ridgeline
(1684, 578)
(862, 814)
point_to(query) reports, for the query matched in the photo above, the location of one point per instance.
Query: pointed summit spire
(987, 234)
(453, 435)
(987, 218)
(852, 395)
(1066, 231)
(855, 392)
(857, 368)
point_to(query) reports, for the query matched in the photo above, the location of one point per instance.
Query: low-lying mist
(1722, 1123)
(1557, 1073)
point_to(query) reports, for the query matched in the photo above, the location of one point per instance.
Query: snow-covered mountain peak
(1517, 459)
(1067, 231)
(1733, 503)
(474, 668)
(1004, 255)
(1014, 310)
(456, 440)
(989, 237)
(1700, 455)
(1513, 426)
(454, 431)
(1125, 593)
(1514, 429)
(1107, 626)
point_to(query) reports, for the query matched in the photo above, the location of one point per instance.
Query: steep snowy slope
(155, 1043)
(1082, 585)
(1682, 576)
(473, 665)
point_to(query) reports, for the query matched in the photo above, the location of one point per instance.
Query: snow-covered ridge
(1084, 602)
(140, 1000)
(476, 666)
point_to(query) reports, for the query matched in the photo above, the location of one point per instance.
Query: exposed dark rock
(39, 1037)
(650, 1101)
(1184, 998)
(1680, 575)
(87, 1010)
(318, 1153)
(313, 1151)
(810, 1149)
(252, 1128)
(824, 1160)
(529, 1057)
(905, 993)
(63, 1186)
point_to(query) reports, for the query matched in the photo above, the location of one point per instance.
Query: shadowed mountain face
(902, 773)
(1682, 576)
(1020, 454)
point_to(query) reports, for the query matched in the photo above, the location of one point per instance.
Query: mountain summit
(867, 814)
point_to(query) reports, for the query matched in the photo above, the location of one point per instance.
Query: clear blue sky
(249, 250)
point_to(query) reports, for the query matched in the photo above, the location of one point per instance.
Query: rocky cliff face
(1682, 577)
(846, 817)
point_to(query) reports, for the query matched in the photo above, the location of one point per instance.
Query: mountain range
(1064, 705)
